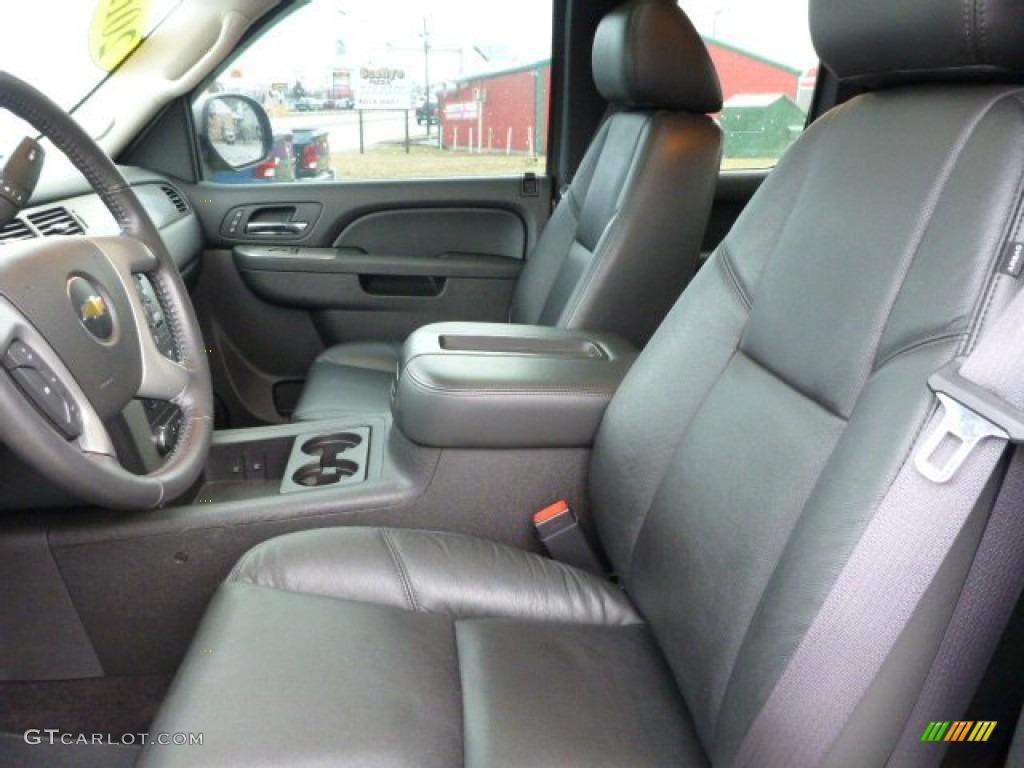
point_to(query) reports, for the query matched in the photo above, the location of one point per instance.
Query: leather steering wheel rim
(91, 474)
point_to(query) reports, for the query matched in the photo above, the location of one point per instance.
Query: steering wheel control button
(49, 396)
(158, 324)
(92, 309)
(19, 355)
(43, 387)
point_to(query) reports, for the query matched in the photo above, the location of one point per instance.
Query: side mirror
(234, 132)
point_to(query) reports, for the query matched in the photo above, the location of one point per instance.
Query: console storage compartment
(483, 385)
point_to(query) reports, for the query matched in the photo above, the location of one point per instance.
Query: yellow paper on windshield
(117, 29)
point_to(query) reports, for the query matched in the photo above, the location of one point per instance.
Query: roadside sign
(382, 88)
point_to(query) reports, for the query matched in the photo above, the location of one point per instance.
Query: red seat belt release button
(560, 533)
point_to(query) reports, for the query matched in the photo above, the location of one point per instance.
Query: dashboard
(73, 209)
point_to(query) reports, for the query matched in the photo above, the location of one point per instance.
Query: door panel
(373, 262)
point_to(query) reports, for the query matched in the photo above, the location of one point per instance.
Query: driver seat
(735, 471)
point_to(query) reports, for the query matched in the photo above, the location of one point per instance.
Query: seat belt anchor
(560, 533)
(970, 414)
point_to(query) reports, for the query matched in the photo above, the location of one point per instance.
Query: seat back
(625, 238)
(759, 431)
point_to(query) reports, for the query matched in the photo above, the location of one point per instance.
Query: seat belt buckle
(560, 533)
(970, 414)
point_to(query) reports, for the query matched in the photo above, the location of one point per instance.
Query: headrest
(647, 54)
(882, 42)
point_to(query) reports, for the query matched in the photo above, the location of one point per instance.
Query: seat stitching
(624, 572)
(927, 217)
(919, 343)
(577, 197)
(725, 258)
(399, 563)
(1014, 225)
(813, 134)
(791, 386)
(471, 391)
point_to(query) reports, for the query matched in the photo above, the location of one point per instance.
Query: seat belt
(991, 592)
(884, 579)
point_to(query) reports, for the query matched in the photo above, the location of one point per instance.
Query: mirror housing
(234, 132)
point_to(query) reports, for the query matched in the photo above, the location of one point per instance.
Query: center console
(291, 459)
(482, 385)
(460, 386)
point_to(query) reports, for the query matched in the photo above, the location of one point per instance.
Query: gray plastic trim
(349, 261)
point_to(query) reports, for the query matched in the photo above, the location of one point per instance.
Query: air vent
(16, 230)
(55, 221)
(176, 199)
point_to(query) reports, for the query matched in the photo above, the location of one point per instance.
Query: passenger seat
(624, 240)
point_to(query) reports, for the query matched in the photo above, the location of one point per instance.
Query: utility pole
(428, 48)
(426, 73)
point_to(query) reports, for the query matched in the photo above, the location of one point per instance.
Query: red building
(503, 111)
(507, 110)
(743, 72)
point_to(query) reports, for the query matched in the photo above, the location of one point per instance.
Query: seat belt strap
(885, 577)
(990, 594)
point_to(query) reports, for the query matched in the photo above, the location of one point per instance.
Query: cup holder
(326, 460)
(331, 445)
(317, 475)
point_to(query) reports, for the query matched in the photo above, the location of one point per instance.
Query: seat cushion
(408, 648)
(349, 378)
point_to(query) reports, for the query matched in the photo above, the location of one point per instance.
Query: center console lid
(488, 385)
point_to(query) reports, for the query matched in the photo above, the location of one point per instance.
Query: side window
(768, 70)
(391, 90)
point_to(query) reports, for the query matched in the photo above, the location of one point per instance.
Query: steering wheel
(76, 343)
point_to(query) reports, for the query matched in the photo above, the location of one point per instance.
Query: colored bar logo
(958, 730)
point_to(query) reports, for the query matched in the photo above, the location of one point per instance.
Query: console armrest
(486, 385)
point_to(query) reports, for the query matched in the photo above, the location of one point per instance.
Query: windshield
(65, 48)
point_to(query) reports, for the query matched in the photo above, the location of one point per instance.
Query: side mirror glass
(235, 132)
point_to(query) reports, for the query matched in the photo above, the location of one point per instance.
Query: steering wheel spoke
(162, 379)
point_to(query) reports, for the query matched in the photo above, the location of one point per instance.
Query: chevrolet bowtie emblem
(93, 308)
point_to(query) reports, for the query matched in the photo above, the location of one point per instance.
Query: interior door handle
(276, 227)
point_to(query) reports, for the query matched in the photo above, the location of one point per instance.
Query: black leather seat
(624, 239)
(734, 471)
